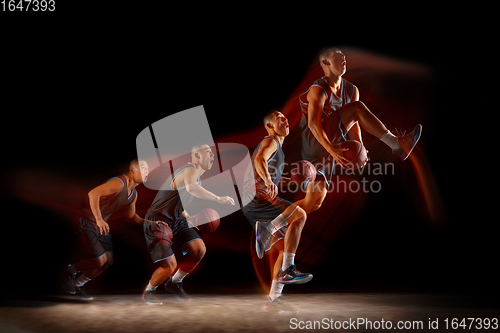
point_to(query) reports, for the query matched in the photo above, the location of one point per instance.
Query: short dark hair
(325, 52)
(134, 164)
(269, 117)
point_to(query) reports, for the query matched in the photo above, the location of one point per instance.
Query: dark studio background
(74, 103)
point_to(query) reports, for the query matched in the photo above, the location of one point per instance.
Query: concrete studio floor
(244, 313)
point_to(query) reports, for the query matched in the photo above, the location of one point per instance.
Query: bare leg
(105, 261)
(315, 194)
(92, 268)
(295, 217)
(288, 273)
(163, 272)
(359, 112)
(91, 264)
(275, 261)
(196, 251)
(296, 223)
(277, 265)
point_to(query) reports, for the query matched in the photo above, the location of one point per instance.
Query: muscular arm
(189, 178)
(104, 190)
(131, 214)
(355, 131)
(317, 99)
(267, 148)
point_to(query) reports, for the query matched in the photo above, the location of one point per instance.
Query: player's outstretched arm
(190, 180)
(103, 190)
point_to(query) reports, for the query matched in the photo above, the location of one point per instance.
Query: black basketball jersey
(331, 118)
(168, 203)
(113, 203)
(275, 165)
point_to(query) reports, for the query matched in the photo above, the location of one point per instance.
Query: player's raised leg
(315, 194)
(288, 273)
(330, 109)
(401, 145)
(294, 218)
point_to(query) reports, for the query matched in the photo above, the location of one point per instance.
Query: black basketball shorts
(160, 237)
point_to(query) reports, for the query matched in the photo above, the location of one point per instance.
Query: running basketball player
(331, 114)
(287, 220)
(104, 200)
(168, 206)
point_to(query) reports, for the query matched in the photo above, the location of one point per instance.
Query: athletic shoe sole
(297, 280)
(415, 139)
(260, 254)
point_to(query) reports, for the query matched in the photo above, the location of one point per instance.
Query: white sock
(81, 280)
(276, 289)
(288, 259)
(151, 287)
(277, 224)
(390, 139)
(178, 276)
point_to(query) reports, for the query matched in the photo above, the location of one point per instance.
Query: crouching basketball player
(104, 200)
(282, 233)
(178, 190)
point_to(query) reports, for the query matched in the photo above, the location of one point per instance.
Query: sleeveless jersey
(113, 203)
(168, 203)
(331, 118)
(260, 207)
(275, 165)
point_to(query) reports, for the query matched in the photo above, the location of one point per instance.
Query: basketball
(207, 220)
(302, 171)
(356, 154)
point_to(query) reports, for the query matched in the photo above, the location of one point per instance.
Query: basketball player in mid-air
(104, 200)
(169, 206)
(331, 114)
(278, 223)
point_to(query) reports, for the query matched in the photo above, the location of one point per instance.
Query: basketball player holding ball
(278, 223)
(331, 115)
(178, 190)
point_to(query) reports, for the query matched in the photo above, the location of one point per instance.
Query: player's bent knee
(100, 262)
(169, 263)
(358, 105)
(200, 251)
(109, 261)
(316, 204)
(196, 248)
(168, 266)
(166, 271)
(357, 108)
(301, 212)
(301, 215)
(201, 254)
